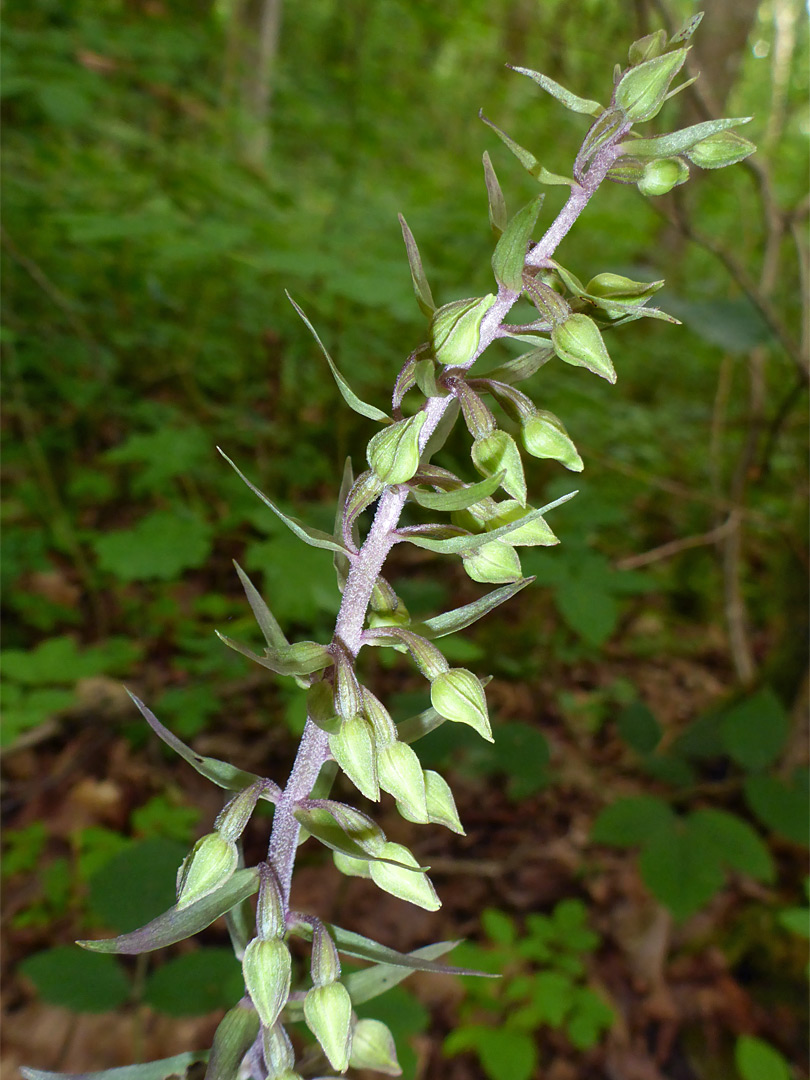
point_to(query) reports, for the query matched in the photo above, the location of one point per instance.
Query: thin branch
(675, 547)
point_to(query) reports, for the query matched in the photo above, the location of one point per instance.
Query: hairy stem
(313, 750)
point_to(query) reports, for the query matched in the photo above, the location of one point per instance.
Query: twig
(675, 547)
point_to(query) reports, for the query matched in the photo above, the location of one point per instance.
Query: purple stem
(313, 750)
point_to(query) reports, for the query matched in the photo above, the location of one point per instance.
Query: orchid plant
(348, 727)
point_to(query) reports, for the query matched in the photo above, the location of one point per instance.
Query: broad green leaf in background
(158, 548)
(77, 980)
(780, 805)
(755, 729)
(757, 1060)
(632, 821)
(135, 885)
(680, 868)
(196, 983)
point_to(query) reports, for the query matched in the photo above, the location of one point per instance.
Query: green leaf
(158, 548)
(351, 399)
(736, 844)
(783, 807)
(424, 297)
(459, 618)
(679, 866)
(552, 996)
(415, 727)
(591, 612)
(498, 926)
(273, 634)
(322, 825)
(458, 498)
(569, 100)
(66, 976)
(463, 545)
(497, 203)
(639, 728)
(173, 1068)
(136, 884)
(589, 1017)
(218, 772)
(314, 537)
(505, 1055)
(755, 730)
(509, 257)
(757, 1060)
(178, 924)
(676, 142)
(632, 821)
(195, 983)
(373, 981)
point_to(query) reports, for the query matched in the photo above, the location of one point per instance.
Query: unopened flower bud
(325, 965)
(401, 776)
(267, 970)
(577, 341)
(642, 90)
(233, 820)
(648, 47)
(353, 749)
(385, 731)
(662, 176)
(411, 885)
(458, 695)
(535, 533)
(721, 149)
(498, 452)
(455, 329)
(496, 563)
(440, 803)
(328, 1013)
(616, 287)
(545, 437)
(270, 920)
(393, 453)
(279, 1056)
(373, 1048)
(234, 1037)
(210, 864)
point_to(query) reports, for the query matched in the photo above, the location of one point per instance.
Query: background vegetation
(170, 167)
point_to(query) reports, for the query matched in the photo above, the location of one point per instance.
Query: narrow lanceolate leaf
(314, 537)
(459, 498)
(678, 142)
(273, 634)
(177, 924)
(459, 618)
(571, 101)
(509, 256)
(348, 395)
(294, 661)
(497, 203)
(218, 772)
(688, 29)
(373, 981)
(234, 1037)
(424, 297)
(173, 1068)
(323, 826)
(341, 561)
(352, 944)
(526, 158)
(463, 545)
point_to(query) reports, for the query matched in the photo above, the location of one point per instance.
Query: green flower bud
(648, 47)
(534, 533)
(499, 452)
(279, 1056)
(234, 1037)
(270, 920)
(475, 517)
(353, 749)
(577, 341)
(545, 437)
(615, 287)
(399, 617)
(351, 867)
(496, 563)
(373, 1048)
(441, 804)
(458, 695)
(328, 1013)
(455, 329)
(209, 864)
(642, 90)
(267, 970)
(325, 961)
(321, 707)
(662, 176)
(232, 821)
(385, 731)
(393, 453)
(401, 776)
(721, 149)
(411, 885)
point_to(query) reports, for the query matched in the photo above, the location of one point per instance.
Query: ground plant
(545, 314)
